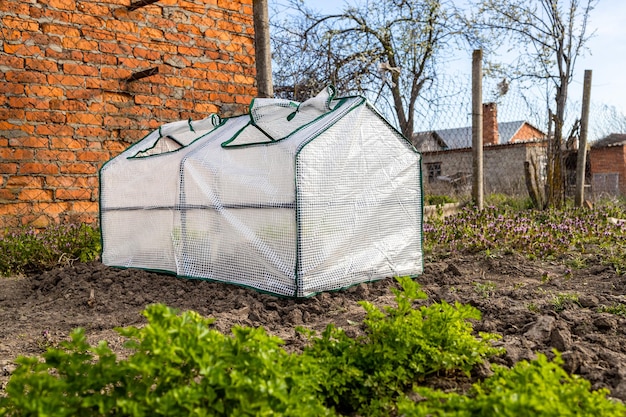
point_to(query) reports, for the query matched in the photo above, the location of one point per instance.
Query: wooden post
(581, 162)
(263, 55)
(477, 128)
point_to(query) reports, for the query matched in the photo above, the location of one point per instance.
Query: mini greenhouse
(291, 199)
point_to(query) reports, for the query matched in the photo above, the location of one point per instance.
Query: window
(434, 170)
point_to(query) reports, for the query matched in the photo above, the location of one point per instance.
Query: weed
(485, 289)
(617, 309)
(563, 300)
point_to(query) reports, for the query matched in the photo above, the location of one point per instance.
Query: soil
(535, 306)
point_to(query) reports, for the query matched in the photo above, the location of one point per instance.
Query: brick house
(82, 80)
(608, 165)
(447, 155)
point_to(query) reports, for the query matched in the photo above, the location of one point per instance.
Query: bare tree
(547, 36)
(608, 119)
(385, 49)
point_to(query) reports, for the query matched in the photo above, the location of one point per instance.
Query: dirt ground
(536, 306)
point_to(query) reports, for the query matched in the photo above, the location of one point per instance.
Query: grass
(571, 235)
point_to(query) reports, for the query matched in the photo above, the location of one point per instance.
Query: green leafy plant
(179, 367)
(401, 345)
(30, 250)
(617, 309)
(563, 300)
(539, 388)
(485, 289)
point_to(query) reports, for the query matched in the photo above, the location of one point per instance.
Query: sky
(606, 57)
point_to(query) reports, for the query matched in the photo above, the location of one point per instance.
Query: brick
(65, 181)
(8, 113)
(100, 107)
(67, 143)
(190, 51)
(117, 122)
(91, 132)
(28, 102)
(53, 130)
(55, 155)
(54, 15)
(93, 8)
(7, 88)
(80, 69)
(115, 48)
(58, 29)
(51, 208)
(116, 147)
(68, 105)
(149, 100)
(8, 168)
(38, 168)
(40, 64)
(57, 53)
(114, 73)
(22, 49)
(10, 35)
(25, 181)
(14, 7)
(81, 94)
(99, 58)
(46, 117)
(61, 4)
(85, 20)
(84, 119)
(25, 77)
(29, 194)
(78, 168)
(13, 208)
(146, 54)
(122, 26)
(97, 34)
(92, 156)
(14, 154)
(66, 80)
(7, 195)
(85, 207)
(20, 24)
(103, 84)
(43, 91)
(151, 33)
(29, 142)
(79, 43)
(11, 61)
(72, 194)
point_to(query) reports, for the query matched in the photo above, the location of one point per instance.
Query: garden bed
(535, 305)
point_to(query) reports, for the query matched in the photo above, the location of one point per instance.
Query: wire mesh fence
(78, 88)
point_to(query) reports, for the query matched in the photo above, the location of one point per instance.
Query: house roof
(614, 139)
(462, 137)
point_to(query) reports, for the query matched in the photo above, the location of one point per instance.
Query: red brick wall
(65, 107)
(526, 133)
(610, 160)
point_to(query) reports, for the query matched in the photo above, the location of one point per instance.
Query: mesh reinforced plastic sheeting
(292, 199)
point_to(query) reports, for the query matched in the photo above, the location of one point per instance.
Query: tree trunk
(262, 49)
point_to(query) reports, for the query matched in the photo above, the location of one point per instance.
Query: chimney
(490, 124)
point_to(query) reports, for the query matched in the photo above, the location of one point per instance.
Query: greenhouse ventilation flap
(291, 199)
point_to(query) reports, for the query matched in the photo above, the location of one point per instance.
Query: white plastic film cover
(292, 199)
